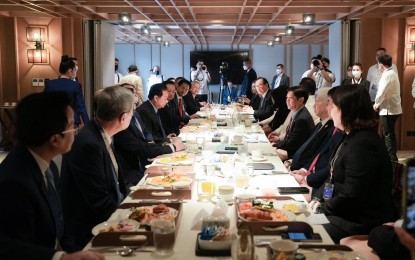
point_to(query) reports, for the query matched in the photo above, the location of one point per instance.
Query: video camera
(224, 69)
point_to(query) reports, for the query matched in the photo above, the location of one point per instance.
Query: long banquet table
(186, 236)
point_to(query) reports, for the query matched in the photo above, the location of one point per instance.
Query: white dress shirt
(388, 97)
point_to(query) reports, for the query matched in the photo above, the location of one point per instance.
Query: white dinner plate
(124, 225)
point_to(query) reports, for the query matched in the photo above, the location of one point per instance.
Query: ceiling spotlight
(289, 30)
(145, 30)
(308, 18)
(125, 18)
(277, 39)
(159, 38)
(166, 44)
(270, 43)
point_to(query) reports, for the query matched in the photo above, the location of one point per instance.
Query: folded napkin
(198, 219)
(317, 219)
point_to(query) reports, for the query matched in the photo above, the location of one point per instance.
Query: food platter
(124, 225)
(257, 213)
(145, 214)
(167, 181)
(182, 158)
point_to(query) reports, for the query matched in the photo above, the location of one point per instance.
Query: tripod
(222, 88)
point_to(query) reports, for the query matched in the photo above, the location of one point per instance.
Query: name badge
(328, 191)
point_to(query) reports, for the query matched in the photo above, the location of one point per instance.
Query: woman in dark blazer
(357, 78)
(68, 69)
(361, 170)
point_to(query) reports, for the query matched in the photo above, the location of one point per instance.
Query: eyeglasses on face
(74, 130)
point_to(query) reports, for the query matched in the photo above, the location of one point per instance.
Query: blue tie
(55, 204)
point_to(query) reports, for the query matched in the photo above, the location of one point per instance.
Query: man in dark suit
(322, 131)
(92, 183)
(170, 116)
(157, 99)
(249, 77)
(191, 100)
(266, 107)
(229, 93)
(31, 212)
(280, 79)
(300, 127)
(135, 149)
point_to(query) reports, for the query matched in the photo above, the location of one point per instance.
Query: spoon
(124, 251)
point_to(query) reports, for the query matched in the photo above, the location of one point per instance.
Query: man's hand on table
(83, 255)
(194, 116)
(179, 146)
(273, 137)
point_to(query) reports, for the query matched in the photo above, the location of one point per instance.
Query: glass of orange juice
(206, 189)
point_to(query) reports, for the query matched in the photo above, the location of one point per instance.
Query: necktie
(180, 107)
(137, 124)
(161, 125)
(287, 132)
(313, 163)
(55, 204)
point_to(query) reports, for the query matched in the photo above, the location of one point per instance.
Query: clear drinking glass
(163, 235)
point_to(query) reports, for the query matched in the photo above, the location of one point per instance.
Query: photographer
(321, 73)
(201, 75)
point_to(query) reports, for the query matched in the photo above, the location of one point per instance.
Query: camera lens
(316, 63)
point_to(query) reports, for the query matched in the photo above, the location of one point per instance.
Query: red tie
(180, 107)
(181, 111)
(313, 163)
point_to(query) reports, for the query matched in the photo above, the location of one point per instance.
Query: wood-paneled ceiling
(214, 21)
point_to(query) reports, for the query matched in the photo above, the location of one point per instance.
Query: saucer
(215, 199)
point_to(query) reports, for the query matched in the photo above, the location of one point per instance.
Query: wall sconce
(166, 44)
(308, 18)
(277, 39)
(411, 52)
(145, 30)
(37, 56)
(39, 36)
(270, 44)
(125, 18)
(289, 30)
(159, 38)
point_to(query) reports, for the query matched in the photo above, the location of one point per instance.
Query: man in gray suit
(280, 79)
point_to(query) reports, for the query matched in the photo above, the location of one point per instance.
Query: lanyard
(333, 161)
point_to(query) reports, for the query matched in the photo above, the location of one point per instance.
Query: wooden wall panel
(8, 67)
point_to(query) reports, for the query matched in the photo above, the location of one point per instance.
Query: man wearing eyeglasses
(92, 181)
(31, 212)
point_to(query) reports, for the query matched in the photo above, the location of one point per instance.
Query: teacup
(256, 153)
(226, 192)
(284, 249)
(238, 139)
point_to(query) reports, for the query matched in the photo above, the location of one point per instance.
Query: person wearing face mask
(249, 77)
(280, 79)
(202, 75)
(65, 83)
(155, 77)
(321, 73)
(118, 76)
(357, 78)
